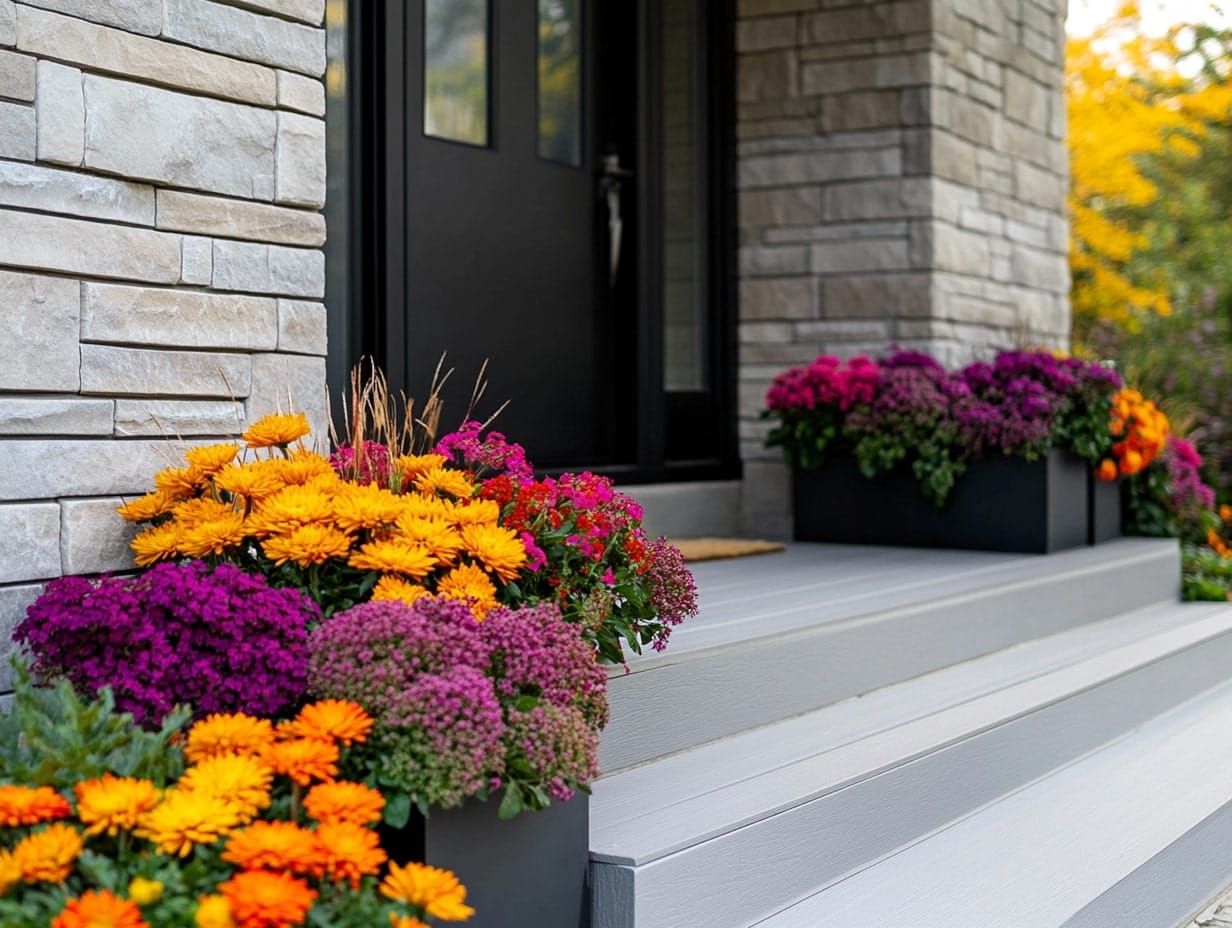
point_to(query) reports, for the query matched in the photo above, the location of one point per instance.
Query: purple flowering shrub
(463, 708)
(214, 638)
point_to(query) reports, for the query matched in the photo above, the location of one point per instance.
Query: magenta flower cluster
(489, 455)
(825, 382)
(1191, 497)
(215, 638)
(367, 464)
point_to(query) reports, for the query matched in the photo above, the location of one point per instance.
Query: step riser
(749, 873)
(716, 693)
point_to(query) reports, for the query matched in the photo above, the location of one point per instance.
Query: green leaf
(397, 809)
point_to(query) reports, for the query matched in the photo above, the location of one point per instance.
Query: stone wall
(902, 174)
(162, 171)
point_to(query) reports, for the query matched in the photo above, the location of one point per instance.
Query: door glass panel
(684, 315)
(560, 81)
(456, 70)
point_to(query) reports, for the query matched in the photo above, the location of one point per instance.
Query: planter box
(1105, 508)
(528, 872)
(999, 504)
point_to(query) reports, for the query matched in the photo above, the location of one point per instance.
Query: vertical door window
(456, 70)
(560, 81)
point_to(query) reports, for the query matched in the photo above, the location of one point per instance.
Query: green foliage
(805, 436)
(1205, 575)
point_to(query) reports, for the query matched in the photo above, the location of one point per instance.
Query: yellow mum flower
(148, 507)
(277, 430)
(194, 511)
(31, 805)
(303, 759)
(214, 912)
(260, 899)
(289, 508)
(253, 481)
(99, 909)
(368, 506)
(390, 588)
(214, 536)
(112, 804)
(307, 467)
(344, 802)
(331, 720)
(445, 480)
(178, 481)
(476, 512)
(394, 557)
(412, 465)
(419, 505)
(352, 852)
(208, 460)
(470, 583)
(500, 549)
(307, 544)
(436, 892)
(239, 778)
(157, 543)
(143, 891)
(227, 734)
(405, 921)
(276, 846)
(48, 856)
(10, 871)
(186, 818)
(437, 535)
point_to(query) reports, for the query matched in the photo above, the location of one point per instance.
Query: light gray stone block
(140, 16)
(242, 34)
(256, 268)
(75, 246)
(861, 256)
(907, 197)
(93, 536)
(65, 467)
(17, 77)
(177, 418)
(31, 549)
(197, 265)
(141, 371)
(786, 206)
(33, 186)
(304, 94)
(302, 327)
(41, 318)
(261, 222)
(61, 113)
(300, 160)
(282, 382)
(8, 22)
(178, 318)
(174, 138)
(779, 298)
(17, 131)
(118, 52)
(14, 600)
(308, 11)
(25, 415)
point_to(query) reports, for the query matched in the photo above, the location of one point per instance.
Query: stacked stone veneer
(902, 175)
(162, 171)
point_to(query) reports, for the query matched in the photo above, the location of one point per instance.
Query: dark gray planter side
(528, 872)
(1105, 501)
(1000, 504)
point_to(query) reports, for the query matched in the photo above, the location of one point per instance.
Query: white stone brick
(779, 298)
(181, 140)
(246, 35)
(254, 268)
(14, 601)
(308, 11)
(110, 370)
(93, 249)
(99, 48)
(64, 467)
(52, 190)
(17, 77)
(54, 415)
(177, 418)
(8, 22)
(863, 255)
(31, 549)
(305, 94)
(290, 382)
(819, 166)
(197, 266)
(302, 327)
(178, 318)
(261, 222)
(93, 536)
(17, 131)
(41, 318)
(300, 160)
(141, 16)
(61, 113)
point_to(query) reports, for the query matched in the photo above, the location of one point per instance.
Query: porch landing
(857, 736)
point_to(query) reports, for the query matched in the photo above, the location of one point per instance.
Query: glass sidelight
(456, 68)
(560, 81)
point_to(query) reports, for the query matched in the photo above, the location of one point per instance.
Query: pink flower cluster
(488, 455)
(1190, 494)
(826, 382)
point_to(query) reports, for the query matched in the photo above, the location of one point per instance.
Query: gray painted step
(784, 634)
(731, 832)
(1053, 853)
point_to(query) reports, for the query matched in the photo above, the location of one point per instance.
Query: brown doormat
(710, 549)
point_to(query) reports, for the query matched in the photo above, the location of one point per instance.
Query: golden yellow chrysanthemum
(394, 557)
(405, 921)
(144, 892)
(277, 430)
(148, 507)
(499, 549)
(307, 544)
(435, 891)
(307, 468)
(276, 846)
(157, 543)
(48, 856)
(31, 805)
(228, 734)
(261, 899)
(411, 466)
(368, 506)
(395, 588)
(178, 481)
(289, 508)
(214, 912)
(99, 909)
(253, 481)
(214, 536)
(208, 460)
(470, 583)
(111, 804)
(352, 852)
(422, 506)
(10, 871)
(344, 801)
(437, 535)
(303, 759)
(195, 511)
(331, 720)
(476, 512)
(451, 482)
(186, 818)
(243, 779)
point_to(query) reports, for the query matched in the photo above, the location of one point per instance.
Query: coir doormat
(710, 549)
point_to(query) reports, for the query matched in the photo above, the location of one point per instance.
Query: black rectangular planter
(1000, 504)
(1105, 503)
(527, 872)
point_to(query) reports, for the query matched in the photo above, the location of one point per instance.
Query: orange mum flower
(276, 846)
(147, 507)
(223, 733)
(242, 779)
(1107, 469)
(178, 481)
(344, 802)
(307, 544)
(31, 805)
(260, 899)
(157, 543)
(99, 909)
(213, 912)
(303, 759)
(214, 536)
(499, 549)
(10, 871)
(208, 460)
(405, 921)
(352, 852)
(394, 557)
(277, 430)
(435, 891)
(331, 719)
(111, 804)
(390, 587)
(48, 856)
(470, 583)
(186, 818)
(444, 480)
